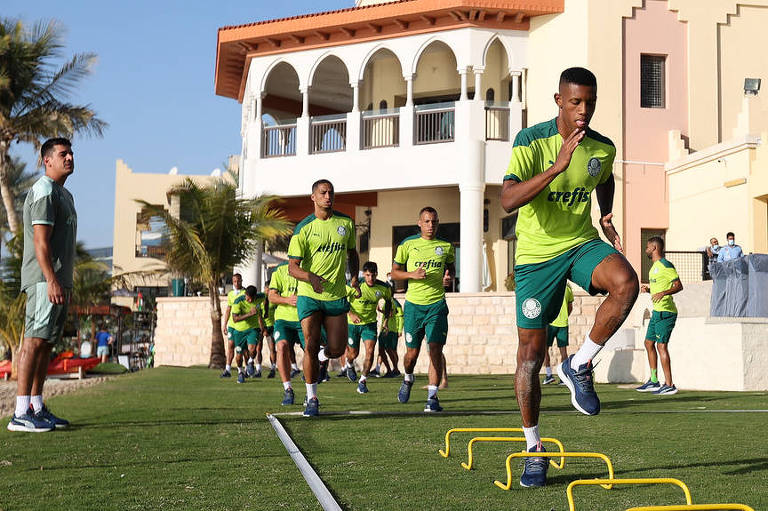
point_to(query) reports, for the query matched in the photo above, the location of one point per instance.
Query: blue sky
(153, 84)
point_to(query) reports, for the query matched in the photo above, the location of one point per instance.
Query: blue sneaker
(257, 374)
(648, 386)
(581, 385)
(323, 376)
(433, 405)
(374, 372)
(46, 415)
(250, 370)
(548, 380)
(312, 409)
(535, 471)
(294, 372)
(352, 374)
(29, 423)
(271, 373)
(666, 390)
(241, 377)
(225, 374)
(342, 373)
(362, 388)
(404, 394)
(287, 397)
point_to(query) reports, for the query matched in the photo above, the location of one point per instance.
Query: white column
(478, 70)
(355, 96)
(472, 193)
(259, 128)
(406, 115)
(463, 75)
(408, 90)
(305, 102)
(516, 76)
(302, 125)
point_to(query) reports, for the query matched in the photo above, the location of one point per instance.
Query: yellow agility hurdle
(605, 483)
(468, 464)
(693, 507)
(446, 452)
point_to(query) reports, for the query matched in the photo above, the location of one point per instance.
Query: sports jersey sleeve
(451, 255)
(275, 282)
(230, 300)
(523, 160)
(351, 236)
(671, 272)
(237, 308)
(401, 256)
(608, 167)
(43, 210)
(297, 246)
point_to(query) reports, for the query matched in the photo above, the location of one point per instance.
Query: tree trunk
(5, 188)
(218, 355)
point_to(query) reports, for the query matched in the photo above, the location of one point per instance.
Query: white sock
(311, 390)
(258, 367)
(532, 437)
(286, 385)
(294, 367)
(321, 356)
(348, 365)
(239, 369)
(363, 379)
(37, 403)
(431, 391)
(250, 360)
(586, 353)
(408, 377)
(549, 370)
(22, 405)
(228, 368)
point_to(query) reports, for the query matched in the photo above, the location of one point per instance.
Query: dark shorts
(231, 334)
(425, 320)
(541, 286)
(44, 320)
(246, 338)
(307, 306)
(557, 332)
(661, 326)
(357, 333)
(388, 340)
(289, 331)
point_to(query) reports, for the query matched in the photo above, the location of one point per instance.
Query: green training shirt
(395, 321)
(322, 246)
(285, 285)
(268, 312)
(661, 276)
(562, 318)
(243, 306)
(559, 217)
(365, 306)
(233, 295)
(432, 255)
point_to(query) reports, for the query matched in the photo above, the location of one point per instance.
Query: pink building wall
(652, 30)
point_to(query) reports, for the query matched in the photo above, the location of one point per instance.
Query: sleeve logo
(594, 167)
(531, 308)
(341, 230)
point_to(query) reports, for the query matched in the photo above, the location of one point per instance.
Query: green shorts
(289, 331)
(541, 286)
(246, 338)
(231, 334)
(661, 326)
(388, 340)
(557, 332)
(271, 330)
(44, 320)
(366, 332)
(307, 306)
(425, 320)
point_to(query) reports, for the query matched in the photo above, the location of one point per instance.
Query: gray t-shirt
(49, 203)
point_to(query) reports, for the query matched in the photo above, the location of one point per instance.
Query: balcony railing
(328, 134)
(380, 128)
(434, 123)
(155, 251)
(497, 121)
(279, 140)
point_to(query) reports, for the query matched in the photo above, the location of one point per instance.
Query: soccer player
(282, 293)
(269, 322)
(50, 232)
(318, 253)
(248, 325)
(229, 333)
(361, 321)
(391, 328)
(554, 168)
(427, 262)
(664, 282)
(558, 329)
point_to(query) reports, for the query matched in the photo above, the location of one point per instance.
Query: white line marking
(324, 496)
(502, 412)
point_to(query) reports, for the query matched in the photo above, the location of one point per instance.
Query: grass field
(173, 438)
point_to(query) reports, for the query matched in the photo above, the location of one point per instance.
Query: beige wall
(496, 73)
(436, 72)
(382, 80)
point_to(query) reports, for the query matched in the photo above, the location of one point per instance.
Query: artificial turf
(181, 438)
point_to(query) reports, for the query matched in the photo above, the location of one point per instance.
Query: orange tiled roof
(237, 44)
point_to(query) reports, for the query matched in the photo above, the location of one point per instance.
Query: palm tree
(33, 93)
(19, 181)
(215, 230)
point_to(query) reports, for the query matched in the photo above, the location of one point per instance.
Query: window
(653, 81)
(383, 105)
(151, 236)
(490, 95)
(645, 264)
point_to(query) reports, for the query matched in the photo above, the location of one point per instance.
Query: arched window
(383, 104)
(490, 95)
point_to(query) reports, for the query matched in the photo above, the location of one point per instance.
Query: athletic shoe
(294, 372)
(581, 384)
(250, 370)
(549, 379)
(241, 377)
(271, 373)
(30, 424)
(304, 403)
(433, 405)
(323, 376)
(257, 374)
(395, 373)
(342, 373)
(46, 415)
(535, 471)
(405, 391)
(352, 374)
(666, 390)
(561, 382)
(287, 397)
(648, 386)
(312, 409)
(374, 372)
(362, 388)
(226, 374)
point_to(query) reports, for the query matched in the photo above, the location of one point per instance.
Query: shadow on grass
(153, 462)
(752, 465)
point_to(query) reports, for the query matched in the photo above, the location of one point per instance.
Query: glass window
(652, 81)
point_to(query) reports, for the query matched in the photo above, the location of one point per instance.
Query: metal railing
(380, 128)
(279, 140)
(434, 123)
(497, 121)
(690, 266)
(328, 134)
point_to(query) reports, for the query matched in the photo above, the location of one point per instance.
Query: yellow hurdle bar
(468, 464)
(446, 452)
(605, 483)
(693, 507)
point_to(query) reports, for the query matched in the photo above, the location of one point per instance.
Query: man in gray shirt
(50, 233)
